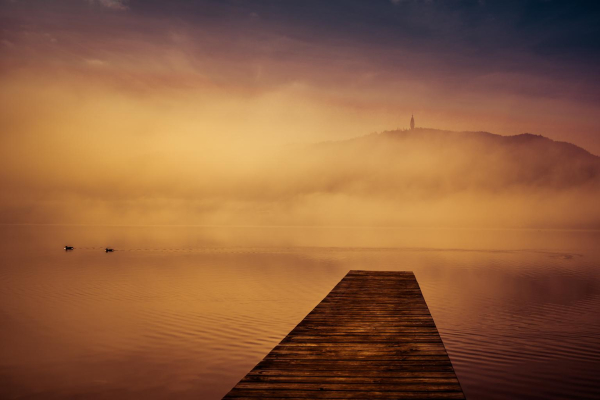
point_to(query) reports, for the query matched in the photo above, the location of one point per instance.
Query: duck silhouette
(68, 247)
(109, 250)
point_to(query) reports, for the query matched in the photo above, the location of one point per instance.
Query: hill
(420, 178)
(436, 177)
(455, 160)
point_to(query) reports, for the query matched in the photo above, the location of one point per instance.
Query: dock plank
(371, 337)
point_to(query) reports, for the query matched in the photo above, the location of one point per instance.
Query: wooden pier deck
(372, 337)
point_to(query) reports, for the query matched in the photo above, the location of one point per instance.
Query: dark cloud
(557, 39)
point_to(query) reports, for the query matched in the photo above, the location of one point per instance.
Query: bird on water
(109, 250)
(68, 247)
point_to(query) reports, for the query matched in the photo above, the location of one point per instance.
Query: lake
(185, 312)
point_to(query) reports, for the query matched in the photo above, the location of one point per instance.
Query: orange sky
(271, 72)
(113, 87)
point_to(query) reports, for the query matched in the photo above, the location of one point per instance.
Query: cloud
(112, 4)
(94, 62)
(396, 2)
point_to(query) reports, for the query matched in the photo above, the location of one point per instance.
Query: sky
(110, 88)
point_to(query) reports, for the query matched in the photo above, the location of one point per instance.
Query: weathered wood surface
(372, 337)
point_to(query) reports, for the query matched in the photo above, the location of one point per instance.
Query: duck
(68, 247)
(109, 250)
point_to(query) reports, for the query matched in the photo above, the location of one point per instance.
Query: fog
(75, 153)
(233, 113)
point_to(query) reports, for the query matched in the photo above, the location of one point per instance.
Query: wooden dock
(372, 337)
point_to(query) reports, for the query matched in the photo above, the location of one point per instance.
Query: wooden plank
(339, 394)
(372, 374)
(371, 337)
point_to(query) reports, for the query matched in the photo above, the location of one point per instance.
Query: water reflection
(185, 312)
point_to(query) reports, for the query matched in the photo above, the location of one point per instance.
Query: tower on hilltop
(412, 122)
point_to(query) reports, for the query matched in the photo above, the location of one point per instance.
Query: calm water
(180, 312)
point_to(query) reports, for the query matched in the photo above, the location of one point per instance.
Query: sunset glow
(131, 112)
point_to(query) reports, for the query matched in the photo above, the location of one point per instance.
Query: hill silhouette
(436, 177)
(455, 160)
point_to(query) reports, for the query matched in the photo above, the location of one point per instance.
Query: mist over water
(185, 312)
(418, 178)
